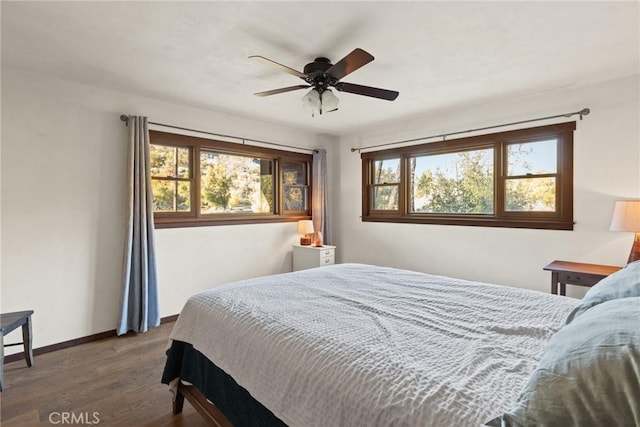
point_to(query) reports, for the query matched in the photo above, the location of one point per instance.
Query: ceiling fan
(321, 75)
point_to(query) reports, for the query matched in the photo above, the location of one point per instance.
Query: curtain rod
(583, 112)
(125, 119)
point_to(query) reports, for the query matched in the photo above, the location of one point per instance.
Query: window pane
(531, 195)
(235, 184)
(386, 171)
(266, 183)
(459, 183)
(169, 162)
(532, 158)
(385, 197)
(171, 195)
(295, 198)
(294, 173)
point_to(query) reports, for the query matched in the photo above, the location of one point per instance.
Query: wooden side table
(11, 321)
(575, 273)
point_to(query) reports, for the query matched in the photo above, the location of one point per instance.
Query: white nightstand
(310, 256)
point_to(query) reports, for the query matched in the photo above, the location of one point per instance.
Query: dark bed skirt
(240, 408)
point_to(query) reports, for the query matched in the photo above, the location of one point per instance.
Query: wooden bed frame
(212, 415)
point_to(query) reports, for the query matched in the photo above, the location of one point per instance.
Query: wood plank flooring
(117, 378)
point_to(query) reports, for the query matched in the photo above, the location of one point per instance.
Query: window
(452, 183)
(295, 184)
(530, 178)
(520, 179)
(235, 184)
(171, 178)
(386, 184)
(198, 181)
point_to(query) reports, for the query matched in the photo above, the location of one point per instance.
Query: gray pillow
(624, 283)
(589, 374)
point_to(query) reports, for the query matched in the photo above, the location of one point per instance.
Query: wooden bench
(11, 321)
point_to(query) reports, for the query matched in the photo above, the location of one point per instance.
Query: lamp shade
(329, 101)
(312, 99)
(305, 226)
(626, 216)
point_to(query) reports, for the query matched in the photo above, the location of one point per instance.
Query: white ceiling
(438, 55)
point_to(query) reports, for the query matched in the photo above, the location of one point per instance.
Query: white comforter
(359, 345)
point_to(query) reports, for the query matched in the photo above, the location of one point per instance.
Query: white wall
(606, 168)
(63, 182)
(63, 151)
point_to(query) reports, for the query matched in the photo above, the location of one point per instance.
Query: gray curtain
(139, 276)
(319, 195)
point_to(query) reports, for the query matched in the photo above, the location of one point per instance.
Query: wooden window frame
(189, 179)
(560, 219)
(281, 184)
(194, 218)
(373, 185)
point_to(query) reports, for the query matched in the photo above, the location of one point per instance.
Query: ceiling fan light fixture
(320, 102)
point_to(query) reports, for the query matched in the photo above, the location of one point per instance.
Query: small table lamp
(626, 217)
(305, 227)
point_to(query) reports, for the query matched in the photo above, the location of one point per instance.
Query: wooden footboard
(206, 409)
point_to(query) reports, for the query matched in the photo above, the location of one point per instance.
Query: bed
(360, 345)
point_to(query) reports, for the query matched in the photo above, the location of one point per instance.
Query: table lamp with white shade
(626, 217)
(305, 227)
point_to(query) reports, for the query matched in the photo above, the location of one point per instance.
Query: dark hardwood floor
(116, 378)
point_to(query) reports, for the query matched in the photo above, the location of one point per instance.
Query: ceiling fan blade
(374, 92)
(278, 66)
(281, 90)
(350, 63)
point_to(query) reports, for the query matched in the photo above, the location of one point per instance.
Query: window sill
(478, 221)
(207, 222)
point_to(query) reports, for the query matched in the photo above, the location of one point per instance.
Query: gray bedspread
(360, 345)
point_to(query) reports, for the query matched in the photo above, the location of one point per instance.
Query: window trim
(194, 218)
(561, 219)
